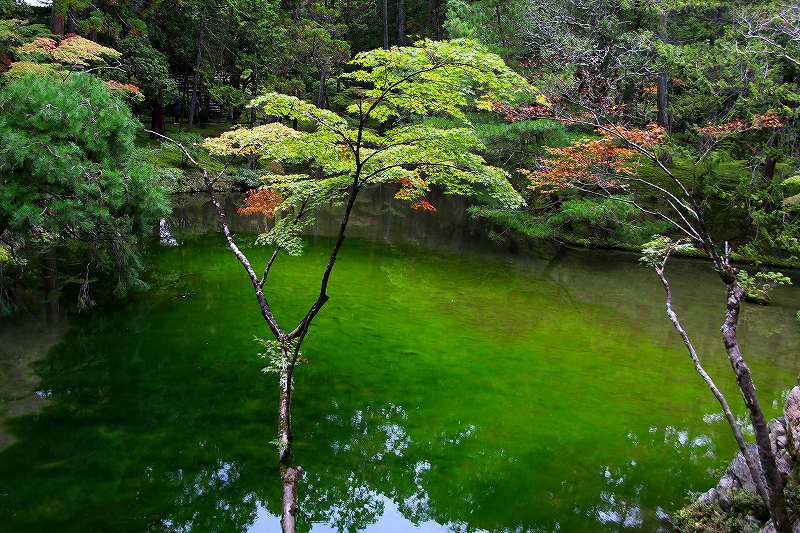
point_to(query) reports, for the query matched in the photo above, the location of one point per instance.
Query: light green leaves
(291, 107)
(329, 156)
(431, 78)
(655, 252)
(246, 141)
(758, 287)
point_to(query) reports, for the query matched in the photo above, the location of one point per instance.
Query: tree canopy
(69, 177)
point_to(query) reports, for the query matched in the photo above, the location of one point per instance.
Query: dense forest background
(719, 78)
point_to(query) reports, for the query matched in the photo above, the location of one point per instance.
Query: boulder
(708, 497)
(769, 527)
(791, 413)
(778, 437)
(739, 471)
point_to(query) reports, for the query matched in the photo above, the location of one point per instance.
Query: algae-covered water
(449, 387)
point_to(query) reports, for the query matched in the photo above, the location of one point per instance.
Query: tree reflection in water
(489, 416)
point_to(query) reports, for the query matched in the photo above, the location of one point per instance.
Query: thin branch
(266, 310)
(755, 471)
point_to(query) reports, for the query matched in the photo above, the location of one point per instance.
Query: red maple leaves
(260, 202)
(414, 193)
(425, 205)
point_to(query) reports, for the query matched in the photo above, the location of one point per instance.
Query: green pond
(451, 385)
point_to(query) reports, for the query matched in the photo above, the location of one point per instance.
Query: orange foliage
(425, 205)
(409, 191)
(415, 193)
(515, 114)
(260, 202)
(767, 120)
(71, 50)
(589, 162)
(539, 111)
(128, 90)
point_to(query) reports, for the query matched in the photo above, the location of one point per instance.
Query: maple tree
(338, 156)
(50, 57)
(607, 162)
(71, 51)
(127, 90)
(261, 202)
(604, 167)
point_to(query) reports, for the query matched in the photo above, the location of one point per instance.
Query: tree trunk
(432, 19)
(254, 93)
(291, 474)
(385, 24)
(322, 97)
(662, 84)
(769, 169)
(428, 18)
(196, 80)
(777, 502)
(752, 464)
(662, 87)
(72, 23)
(499, 25)
(157, 119)
(291, 478)
(57, 19)
(401, 22)
(348, 34)
(437, 25)
(51, 283)
(93, 32)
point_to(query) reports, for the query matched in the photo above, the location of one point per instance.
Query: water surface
(450, 386)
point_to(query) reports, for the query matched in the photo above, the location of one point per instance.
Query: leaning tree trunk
(777, 502)
(750, 460)
(290, 473)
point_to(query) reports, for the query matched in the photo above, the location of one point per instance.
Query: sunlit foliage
(72, 51)
(336, 154)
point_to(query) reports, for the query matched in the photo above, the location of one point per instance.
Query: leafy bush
(67, 171)
(583, 220)
(758, 287)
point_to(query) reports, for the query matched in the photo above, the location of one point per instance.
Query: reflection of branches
(377, 464)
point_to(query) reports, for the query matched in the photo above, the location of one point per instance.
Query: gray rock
(769, 527)
(740, 472)
(708, 497)
(779, 439)
(792, 413)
